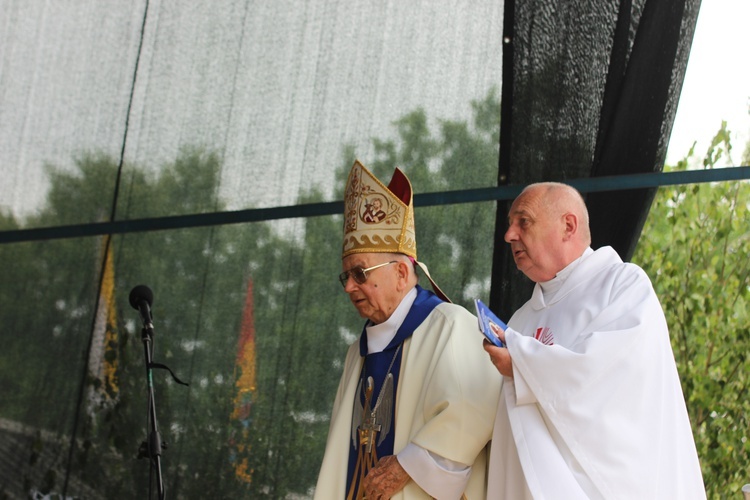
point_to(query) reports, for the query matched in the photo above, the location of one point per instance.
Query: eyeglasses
(359, 274)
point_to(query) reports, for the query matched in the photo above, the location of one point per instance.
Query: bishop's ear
(402, 268)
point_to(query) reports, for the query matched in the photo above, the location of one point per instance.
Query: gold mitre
(381, 219)
(378, 218)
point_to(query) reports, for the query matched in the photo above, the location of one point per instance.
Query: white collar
(551, 287)
(379, 336)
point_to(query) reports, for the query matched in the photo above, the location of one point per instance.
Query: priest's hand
(385, 479)
(500, 357)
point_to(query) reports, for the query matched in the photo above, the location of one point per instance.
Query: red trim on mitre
(400, 186)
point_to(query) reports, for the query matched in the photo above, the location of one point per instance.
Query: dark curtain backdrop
(594, 89)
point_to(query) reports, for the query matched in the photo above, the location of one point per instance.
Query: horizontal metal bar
(585, 185)
(590, 185)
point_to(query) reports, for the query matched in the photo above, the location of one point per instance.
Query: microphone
(141, 298)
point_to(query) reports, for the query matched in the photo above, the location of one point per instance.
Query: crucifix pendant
(368, 431)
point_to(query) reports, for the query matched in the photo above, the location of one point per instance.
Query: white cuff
(441, 478)
(524, 395)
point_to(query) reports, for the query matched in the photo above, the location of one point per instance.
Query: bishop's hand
(385, 479)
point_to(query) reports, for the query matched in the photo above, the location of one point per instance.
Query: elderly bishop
(417, 398)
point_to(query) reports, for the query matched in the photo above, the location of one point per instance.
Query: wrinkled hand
(500, 357)
(385, 479)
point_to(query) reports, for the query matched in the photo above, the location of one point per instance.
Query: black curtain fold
(589, 89)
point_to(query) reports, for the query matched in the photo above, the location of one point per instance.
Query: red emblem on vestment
(544, 335)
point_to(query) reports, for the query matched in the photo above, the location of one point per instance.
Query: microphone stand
(141, 298)
(152, 448)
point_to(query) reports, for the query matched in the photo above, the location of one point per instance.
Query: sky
(717, 81)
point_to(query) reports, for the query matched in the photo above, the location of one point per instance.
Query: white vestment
(595, 408)
(446, 399)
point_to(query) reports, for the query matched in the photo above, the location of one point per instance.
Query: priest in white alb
(592, 406)
(417, 398)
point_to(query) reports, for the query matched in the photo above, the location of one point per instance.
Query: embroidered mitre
(381, 219)
(378, 218)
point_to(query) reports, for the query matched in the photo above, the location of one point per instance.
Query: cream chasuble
(445, 402)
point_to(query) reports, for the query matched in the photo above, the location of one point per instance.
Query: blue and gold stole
(373, 418)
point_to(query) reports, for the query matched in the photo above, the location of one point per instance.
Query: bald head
(548, 229)
(558, 199)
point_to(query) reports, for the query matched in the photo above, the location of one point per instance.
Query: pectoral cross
(369, 426)
(367, 431)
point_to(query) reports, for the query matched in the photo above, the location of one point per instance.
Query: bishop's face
(535, 235)
(378, 296)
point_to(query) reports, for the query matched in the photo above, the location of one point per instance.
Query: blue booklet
(489, 323)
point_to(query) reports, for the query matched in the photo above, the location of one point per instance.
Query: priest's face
(378, 296)
(535, 234)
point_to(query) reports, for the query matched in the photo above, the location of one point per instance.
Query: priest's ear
(570, 221)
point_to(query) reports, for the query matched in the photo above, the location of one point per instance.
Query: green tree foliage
(695, 247)
(199, 277)
(303, 321)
